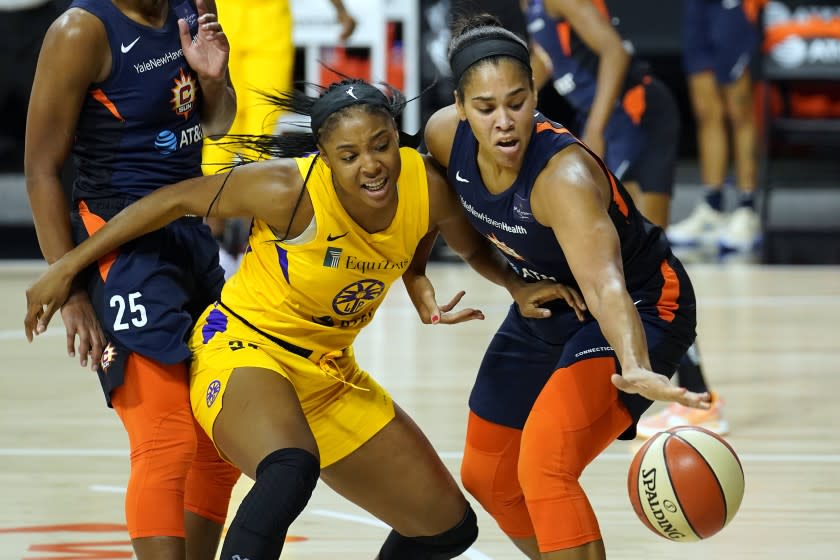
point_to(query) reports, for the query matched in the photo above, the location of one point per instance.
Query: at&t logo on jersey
(167, 142)
(184, 94)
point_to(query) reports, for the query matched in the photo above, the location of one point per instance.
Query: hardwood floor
(769, 338)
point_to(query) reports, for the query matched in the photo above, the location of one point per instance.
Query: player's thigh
(705, 95)
(738, 96)
(260, 414)
(398, 477)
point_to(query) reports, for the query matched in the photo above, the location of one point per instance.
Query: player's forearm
(612, 69)
(148, 214)
(51, 216)
(620, 323)
(488, 262)
(219, 107)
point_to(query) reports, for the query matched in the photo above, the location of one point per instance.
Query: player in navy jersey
(130, 88)
(720, 41)
(552, 393)
(628, 117)
(632, 122)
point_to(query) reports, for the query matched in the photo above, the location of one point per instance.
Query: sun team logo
(213, 392)
(108, 357)
(184, 94)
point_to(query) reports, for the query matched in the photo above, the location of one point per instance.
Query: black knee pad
(443, 546)
(284, 484)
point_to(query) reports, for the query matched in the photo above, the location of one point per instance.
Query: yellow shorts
(343, 404)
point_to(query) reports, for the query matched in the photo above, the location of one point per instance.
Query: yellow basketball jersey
(319, 293)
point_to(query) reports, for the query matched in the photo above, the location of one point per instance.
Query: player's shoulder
(78, 26)
(440, 133)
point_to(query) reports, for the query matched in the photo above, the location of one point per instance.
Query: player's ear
(323, 155)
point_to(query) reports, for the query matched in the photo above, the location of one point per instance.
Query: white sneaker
(702, 226)
(742, 232)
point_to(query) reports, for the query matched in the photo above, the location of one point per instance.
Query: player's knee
(708, 110)
(480, 477)
(443, 546)
(209, 486)
(539, 482)
(285, 481)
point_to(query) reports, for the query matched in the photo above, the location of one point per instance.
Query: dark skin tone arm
(75, 54)
(267, 190)
(600, 36)
(571, 196)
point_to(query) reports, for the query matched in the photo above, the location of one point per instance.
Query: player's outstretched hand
(657, 387)
(422, 295)
(208, 54)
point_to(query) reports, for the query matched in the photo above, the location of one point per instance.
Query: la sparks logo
(108, 357)
(184, 94)
(504, 248)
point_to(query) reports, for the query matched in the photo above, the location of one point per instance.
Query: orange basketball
(686, 484)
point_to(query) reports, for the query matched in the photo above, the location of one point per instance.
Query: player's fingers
(70, 341)
(84, 347)
(575, 299)
(184, 33)
(33, 311)
(429, 310)
(97, 346)
(452, 302)
(462, 316)
(695, 400)
(201, 8)
(208, 17)
(46, 317)
(532, 311)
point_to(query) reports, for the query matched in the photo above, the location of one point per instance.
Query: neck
(147, 12)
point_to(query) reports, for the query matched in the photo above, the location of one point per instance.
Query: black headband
(481, 48)
(340, 97)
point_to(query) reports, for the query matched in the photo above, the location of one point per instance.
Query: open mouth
(375, 186)
(508, 143)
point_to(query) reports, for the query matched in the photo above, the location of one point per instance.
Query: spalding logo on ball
(686, 484)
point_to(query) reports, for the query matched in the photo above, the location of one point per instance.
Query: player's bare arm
(74, 54)
(571, 196)
(268, 190)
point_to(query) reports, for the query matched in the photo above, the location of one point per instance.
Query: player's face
(499, 103)
(362, 150)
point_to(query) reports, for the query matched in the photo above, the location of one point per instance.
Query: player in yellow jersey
(262, 56)
(274, 380)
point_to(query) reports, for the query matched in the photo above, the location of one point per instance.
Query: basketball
(686, 484)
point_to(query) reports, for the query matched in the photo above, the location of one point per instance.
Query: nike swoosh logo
(331, 237)
(125, 49)
(459, 178)
(637, 302)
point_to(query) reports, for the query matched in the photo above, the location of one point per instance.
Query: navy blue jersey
(575, 71)
(531, 248)
(139, 129)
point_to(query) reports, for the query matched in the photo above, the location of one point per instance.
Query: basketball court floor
(769, 338)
